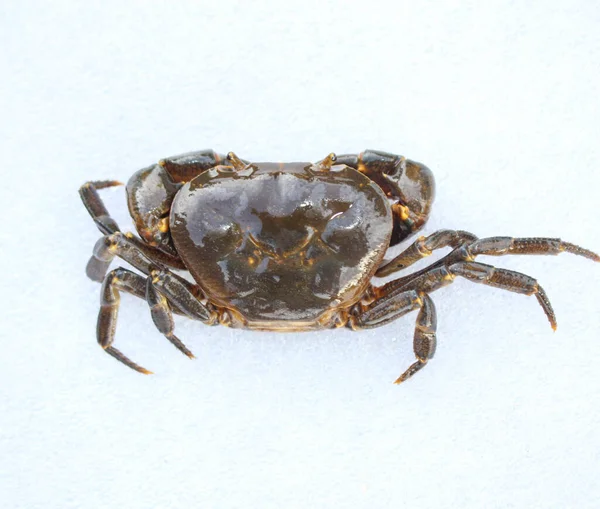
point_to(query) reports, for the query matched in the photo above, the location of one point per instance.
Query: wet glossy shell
(282, 244)
(149, 195)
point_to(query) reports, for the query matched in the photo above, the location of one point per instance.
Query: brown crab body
(283, 246)
(290, 247)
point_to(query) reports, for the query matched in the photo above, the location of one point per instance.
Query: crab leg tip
(552, 320)
(113, 352)
(179, 345)
(546, 306)
(578, 250)
(141, 370)
(103, 184)
(590, 255)
(403, 378)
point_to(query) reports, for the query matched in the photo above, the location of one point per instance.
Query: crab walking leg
(94, 205)
(505, 279)
(115, 281)
(424, 341)
(394, 300)
(472, 247)
(163, 318)
(107, 225)
(387, 307)
(423, 247)
(499, 246)
(124, 246)
(393, 306)
(120, 245)
(183, 294)
(125, 280)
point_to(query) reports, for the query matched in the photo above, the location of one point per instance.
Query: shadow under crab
(289, 247)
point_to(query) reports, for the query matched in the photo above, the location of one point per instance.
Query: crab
(289, 247)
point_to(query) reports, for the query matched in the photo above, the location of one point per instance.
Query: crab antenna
(235, 161)
(327, 163)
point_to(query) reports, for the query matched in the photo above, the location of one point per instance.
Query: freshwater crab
(289, 247)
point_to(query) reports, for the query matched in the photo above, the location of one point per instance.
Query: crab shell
(283, 246)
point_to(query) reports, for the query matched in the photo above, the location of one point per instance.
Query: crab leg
(423, 247)
(163, 318)
(163, 290)
(95, 206)
(437, 277)
(121, 279)
(424, 341)
(403, 295)
(506, 280)
(120, 245)
(107, 225)
(183, 294)
(498, 246)
(395, 305)
(471, 247)
(387, 307)
(117, 280)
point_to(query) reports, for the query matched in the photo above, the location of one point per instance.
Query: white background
(499, 99)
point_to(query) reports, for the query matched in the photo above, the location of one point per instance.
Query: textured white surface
(499, 99)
